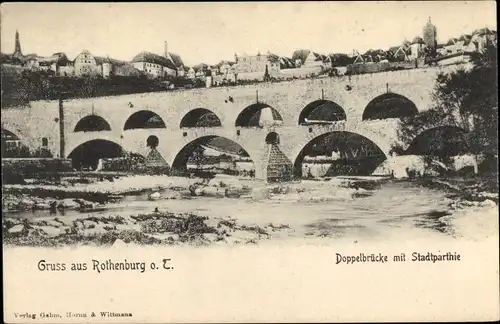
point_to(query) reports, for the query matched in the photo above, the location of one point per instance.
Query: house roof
(224, 62)
(176, 59)
(373, 52)
(286, 62)
(465, 37)
(47, 60)
(401, 49)
(273, 57)
(319, 57)
(406, 43)
(451, 41)
(127, 69)
(482, 31)
(418, 40)
(339, 59)
(201, 66)
(364, 58)
(393, 49)
(153, 58)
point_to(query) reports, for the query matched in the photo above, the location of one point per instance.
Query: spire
(17, 49)
(429, 19)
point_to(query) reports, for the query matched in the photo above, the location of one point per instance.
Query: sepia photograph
(224, 127)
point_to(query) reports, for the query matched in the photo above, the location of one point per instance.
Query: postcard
(249, 162)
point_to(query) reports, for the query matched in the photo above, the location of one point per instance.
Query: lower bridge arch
(214, 154)
(11, 144)
(87, 154)
(440, 141)
(341, 153)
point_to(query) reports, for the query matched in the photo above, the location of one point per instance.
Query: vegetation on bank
(18, 89)
(466, 109)
(159, 228)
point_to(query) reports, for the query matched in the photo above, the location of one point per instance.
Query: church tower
(430, 35)
(17, 50)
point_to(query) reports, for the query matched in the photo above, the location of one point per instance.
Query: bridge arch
(350, 152)
(11, 144)
(321, 111)
(389, 105)
(180, 161)
(440, 141)
(259, 115)
(200, 117)
(88, 153)
(7, 135)
(92, 123)
(144, 119)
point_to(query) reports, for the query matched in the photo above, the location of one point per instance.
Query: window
(45, 142)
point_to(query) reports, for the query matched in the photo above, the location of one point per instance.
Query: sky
(211, 32)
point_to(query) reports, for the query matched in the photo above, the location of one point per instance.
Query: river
(313, 209)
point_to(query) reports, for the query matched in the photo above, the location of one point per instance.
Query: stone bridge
(367, 105)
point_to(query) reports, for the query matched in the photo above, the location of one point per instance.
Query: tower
(430, 35)
(165, 49)
(17, 49)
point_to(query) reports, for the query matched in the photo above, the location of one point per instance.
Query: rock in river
(488, 203)
(155, 196)
(26, 203)
(16, 228)
(214, 192)
(42, 205)
(68, 204)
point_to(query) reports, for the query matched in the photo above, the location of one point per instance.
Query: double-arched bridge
(288, 116)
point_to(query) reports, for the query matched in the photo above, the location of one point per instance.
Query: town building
(416, 48)
(337, 60)
(222, 68)
(154, 65)
(58, 64)
(190, 73)
(308, 58)
(256, 63)
(159, 66)
(483, 37)
(202, 70)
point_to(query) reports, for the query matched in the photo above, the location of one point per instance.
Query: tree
(465, 98)
(198, 155)
(267, 77)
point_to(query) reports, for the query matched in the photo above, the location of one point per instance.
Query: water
(310, 209)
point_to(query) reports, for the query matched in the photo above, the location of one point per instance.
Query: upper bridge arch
(200, 117)
(389, 105)
(92, 123)
(259, 115)
(144, 119)
(321, 111)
